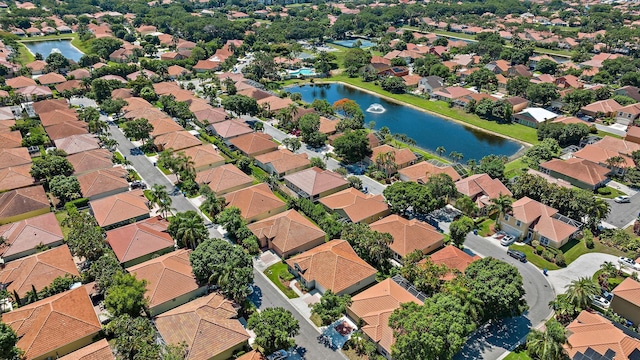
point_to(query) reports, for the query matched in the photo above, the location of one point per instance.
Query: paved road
(493, 340)
(266, 296)
(372, 186)
(622, 215)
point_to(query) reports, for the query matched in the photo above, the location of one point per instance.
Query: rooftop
(315, 181)
(409, 235)
(356, 205)
(141, 238)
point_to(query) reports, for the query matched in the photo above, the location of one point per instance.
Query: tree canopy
(274, 329)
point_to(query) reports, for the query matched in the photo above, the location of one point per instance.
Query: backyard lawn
(273, 273)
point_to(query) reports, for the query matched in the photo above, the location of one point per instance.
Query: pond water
(46, 47)
(429, 131)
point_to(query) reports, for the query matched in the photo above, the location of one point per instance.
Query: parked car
(517, 255)
(507, 240)
(278, 355)
(600, 302)
(626, 262)
(622, 199)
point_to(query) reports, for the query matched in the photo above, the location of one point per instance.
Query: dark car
(517, 255)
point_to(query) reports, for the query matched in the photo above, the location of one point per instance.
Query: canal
(429, 131)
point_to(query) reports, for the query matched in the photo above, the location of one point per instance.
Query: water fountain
(56, 50)
(376, 108)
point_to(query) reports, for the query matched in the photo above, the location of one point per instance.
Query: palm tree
(615, 162)
(387, 162)
(440, 150)
(579, 292)
(97, 126)
(548, 345)
(185, 166)
(160, 197)
(190, 232)
(213, 205)
(598, 210)
(502, 204)
(456, 156)
(609, 268)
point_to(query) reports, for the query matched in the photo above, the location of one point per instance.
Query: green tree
(547, 66)
(467, 205)
(541, 152)
(331, 307)
(580, 291)
(274, 329)
(89, 114)
(372, 246)
(219, 262)
(353, 117)
(8, 341)
(352, 146)
(56, 61)
(542, 93)
(65, 188)
(292, 143)
(317, 162)
(160, 197)
(493, 166)
(393, 85)
(138, 129)
(134, 337)
(213, 205)
(517, 86)
(103, 47)
(241, 105)
(309, 125)
(85, 238)
(231, 220)
(104, 270)
(113, 106)
(548, 344)
(482, 78)
(48, 166)
(354, 59)
(459, 229)
(188, 229)
(501, 204)
(126, 296)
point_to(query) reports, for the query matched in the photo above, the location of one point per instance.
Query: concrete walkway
(585, 266)
(624, 188)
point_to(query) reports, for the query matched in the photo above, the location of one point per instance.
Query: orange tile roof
(77, 143)
(212, 115)
(119, 207)
(66, 129)
(284, 160)
(103, 181)
(590, 330)
(604, 106)
(44, 106)
(287, 231)
(208, 326)
(453, 258)
(315, 181)
(91, 160)
(7, 122)
(482, 187)
(14, 157)
(37, 270)
(628, 290)
(135, 103)
(409, 235)
(539, 216)
(355, 204)
(79, 73)
(223, 178)
(583, 170)
(16, 177)
(254, 143)
(231, 128)
(49, 325)
(20, 82)
(204, 155)
(402, 156)
(21, 201)
(51, 78)
(164, 126)
(99, 350)
(375, 305)
(12, 139)
(58, 116)
(177, 140)
(166, 88)
(255, 200)
(121, 94)
(69, 85)
(252, 355)
(141, 238)
(146, 113)
(275, 103)
(334, 265)
(421, 171)
(168, 277)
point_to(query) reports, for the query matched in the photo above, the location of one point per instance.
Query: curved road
(495, 339)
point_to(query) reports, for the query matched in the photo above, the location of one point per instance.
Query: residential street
(622, 215)
(493, 340)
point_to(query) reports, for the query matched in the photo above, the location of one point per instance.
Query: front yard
(274, 272)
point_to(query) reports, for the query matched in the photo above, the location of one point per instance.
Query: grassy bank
(514, 131)
(25, 56)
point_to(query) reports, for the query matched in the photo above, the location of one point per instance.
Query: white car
(600, 302)
(278, 355)
(507, 240)
(622, 199)
(626, 262)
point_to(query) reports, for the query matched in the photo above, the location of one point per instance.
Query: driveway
(585, 266)
(622, 215)
(495, 339)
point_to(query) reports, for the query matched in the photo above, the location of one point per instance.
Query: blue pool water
(429, 131)
(349, 43)
(305, 72)
(45, 48)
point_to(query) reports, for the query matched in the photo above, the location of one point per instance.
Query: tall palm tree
(548, 344)
(579, 292)
(598, 210)
(185, 166)
(609, 268)
(440, 150)
(190, 232)
(387, 162)
(502, 204)
(213, 205)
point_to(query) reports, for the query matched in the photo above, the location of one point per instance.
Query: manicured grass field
(518, 356)
(272, 273)
(533, 258)
(576, 248)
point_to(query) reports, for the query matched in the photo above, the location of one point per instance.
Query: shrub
(604, 191)
(535, 243)
(548, 255)
(539, 249)
(588, 240)
(286, 275)
(560, 261)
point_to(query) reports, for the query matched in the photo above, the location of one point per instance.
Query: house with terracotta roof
(409, 235)
(212, 115)
(120, 209)
(36, 92)
(253, 354)
(209, 327)
(77, 143)
(224, 179)
(51, 79)
(422, 171)
(332, 266)
(228, 129)
(23, 203)
(353, 205)
(66, 129)
(16, 177)
(254, 144)
(628, 114)
(256, 202)
(58, 116)
(273, 104)
(630, 91)
(373, 307)
(453, 258)
(450, 93)
(633, 135)
(14, 157)
(599, 152)
(44, 327)
(176, 140)
(578, 172)
(591, 333)
(626, 300)
(164, 126)
(79, 74)
(36, 67)
(401, 157)
(41, 107)
(101, 183)
(287, 233)
(481, 188)
(99, 350)
(10, 140)
(603, 108)
(19, 82)
(139, 242)
(204, 157)
(282, 162)
(70, 85)
(532, 220)
(170, 281)
(37, 271)
(314, 183)
(87, 161)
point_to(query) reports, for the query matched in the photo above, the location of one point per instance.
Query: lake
(428, 131)
(46, 47)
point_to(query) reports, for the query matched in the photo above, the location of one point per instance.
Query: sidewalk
(624, 188)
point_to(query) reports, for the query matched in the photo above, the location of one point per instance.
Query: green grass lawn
(147, 194)
(164, 171)
(515, 168)
(484, 228)
(272, 273)
(515, 131)
(576, 248)
(522, 355)
(61, 216)
(613, 193)
(534, 258)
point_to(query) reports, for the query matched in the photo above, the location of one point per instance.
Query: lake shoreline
(517, 154)
(69, 39)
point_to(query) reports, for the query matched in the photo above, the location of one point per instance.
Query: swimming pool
(349, 43)
(303, 72)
